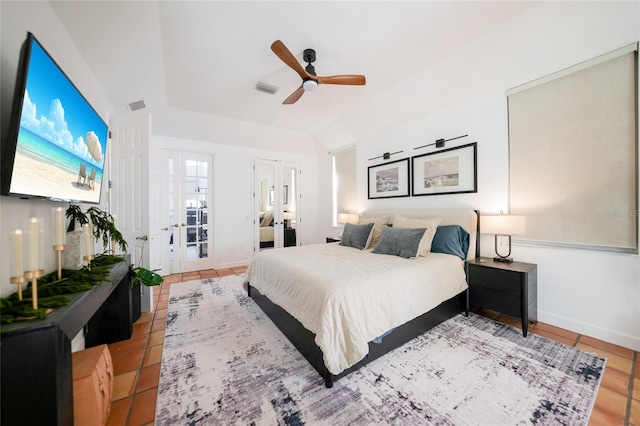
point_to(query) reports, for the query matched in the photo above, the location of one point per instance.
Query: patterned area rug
(225, 363)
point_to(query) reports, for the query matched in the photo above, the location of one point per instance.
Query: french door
(186, 219)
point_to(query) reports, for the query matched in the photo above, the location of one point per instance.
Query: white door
(129, 190)
(276, 204)
(185, 180)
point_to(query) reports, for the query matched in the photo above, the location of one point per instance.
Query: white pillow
(267, 219)
(430, 224)
(378, 223)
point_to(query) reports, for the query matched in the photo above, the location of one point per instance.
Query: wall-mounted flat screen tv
(57, 142)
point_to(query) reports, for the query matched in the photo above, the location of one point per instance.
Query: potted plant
(141, 276)
(102, 222)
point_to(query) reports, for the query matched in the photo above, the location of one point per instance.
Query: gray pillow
(403, 242)
(356, 235)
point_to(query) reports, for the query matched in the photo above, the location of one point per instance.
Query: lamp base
(503, 259)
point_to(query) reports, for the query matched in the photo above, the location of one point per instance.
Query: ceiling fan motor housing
(309, 55)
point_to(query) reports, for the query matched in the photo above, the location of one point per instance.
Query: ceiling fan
(310, 80)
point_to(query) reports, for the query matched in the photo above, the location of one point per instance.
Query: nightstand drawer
(498, 301)
(494, 279)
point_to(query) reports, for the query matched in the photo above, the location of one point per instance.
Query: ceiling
(207, 56)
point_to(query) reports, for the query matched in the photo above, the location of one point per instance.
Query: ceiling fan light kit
(310, 80)
(310, 85)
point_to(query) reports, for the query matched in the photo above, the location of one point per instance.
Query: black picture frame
(446, 171)
(389, 180)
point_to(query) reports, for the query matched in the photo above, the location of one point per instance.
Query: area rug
(225, 363)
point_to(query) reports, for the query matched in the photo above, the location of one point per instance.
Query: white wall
(589, 292)
(16, 18)
(593, 293)
(233, 232)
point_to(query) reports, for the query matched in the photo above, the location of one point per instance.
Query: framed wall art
(389, 180)
(446, 171)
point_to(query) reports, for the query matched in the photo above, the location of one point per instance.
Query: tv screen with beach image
(61, 145)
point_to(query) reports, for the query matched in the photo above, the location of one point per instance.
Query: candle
(87, 239)
(34, 244)
(59, 226)
(18, 269)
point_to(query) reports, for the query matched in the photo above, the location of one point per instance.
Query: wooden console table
(36, 368)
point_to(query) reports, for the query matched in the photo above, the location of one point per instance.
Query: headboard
(466, 218)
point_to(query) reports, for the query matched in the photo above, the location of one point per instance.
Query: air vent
(136, 105)
(267, 88)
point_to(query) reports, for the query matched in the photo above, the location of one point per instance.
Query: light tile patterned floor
(137, 363)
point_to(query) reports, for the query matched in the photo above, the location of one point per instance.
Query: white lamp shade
(503, 224)
(310, 85)
(289, 215)
(348, 218)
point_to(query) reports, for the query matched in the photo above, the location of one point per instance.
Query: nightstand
(334, 239)
(509, 288)
(289, 237)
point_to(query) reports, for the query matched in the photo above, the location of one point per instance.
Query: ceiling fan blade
(294, 96)
(347, 79)
(287, 57)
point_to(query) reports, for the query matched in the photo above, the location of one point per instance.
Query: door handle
(166, 228)
(143, 238)
(176, 225)
(184, 224)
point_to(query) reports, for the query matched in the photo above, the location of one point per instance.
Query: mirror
(266, 202)
(289, 205)
(276, 186)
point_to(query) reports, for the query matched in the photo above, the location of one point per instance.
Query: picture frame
(446, 171)
(271, 196)
(285, 194)
(389, 180)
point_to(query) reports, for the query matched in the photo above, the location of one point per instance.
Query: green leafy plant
(140, 275)
(103, 224)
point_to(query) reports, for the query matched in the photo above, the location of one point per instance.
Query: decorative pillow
(378, 223)
(403, 242)
(451, 239)
(356, 235)
(429, 224)
(266, 220)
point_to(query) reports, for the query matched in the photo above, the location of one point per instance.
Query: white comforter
(348, 297)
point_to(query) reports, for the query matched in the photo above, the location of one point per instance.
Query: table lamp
(503, 225)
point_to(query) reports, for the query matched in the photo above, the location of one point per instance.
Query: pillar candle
(58, 219)
(34, 244)
(87, 239)
(18, 269)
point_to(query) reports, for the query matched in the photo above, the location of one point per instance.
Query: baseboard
(233, 264)
(611, 336)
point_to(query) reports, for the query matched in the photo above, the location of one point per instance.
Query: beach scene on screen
(61, 141)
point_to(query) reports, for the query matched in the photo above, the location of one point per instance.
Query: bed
(343, 306)
(266, 230)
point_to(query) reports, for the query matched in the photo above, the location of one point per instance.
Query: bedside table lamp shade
(288, 217)
(503, 225)
(347, 218)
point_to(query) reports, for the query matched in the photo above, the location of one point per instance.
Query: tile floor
(137, 364)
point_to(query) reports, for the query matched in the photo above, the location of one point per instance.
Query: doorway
(277, 204)
(187, 211)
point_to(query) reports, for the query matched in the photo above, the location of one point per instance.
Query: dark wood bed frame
(304, 340)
